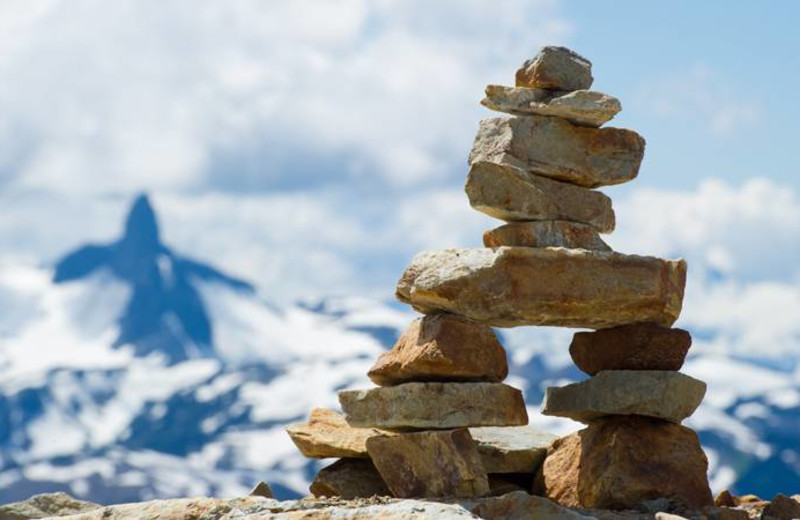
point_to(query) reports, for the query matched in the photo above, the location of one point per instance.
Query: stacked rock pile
(440, 423)
(422, 431)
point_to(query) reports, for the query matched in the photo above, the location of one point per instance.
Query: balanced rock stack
(440, 423)
(547, 265)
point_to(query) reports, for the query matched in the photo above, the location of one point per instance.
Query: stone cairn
(441, 423)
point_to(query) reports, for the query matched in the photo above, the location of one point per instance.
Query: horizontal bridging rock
(620, 462)
(442, 347)
(546, 233)
(581, 107)
(553, 147)
(666, 395)
(639, 346)
(327, 435)
(556, 68)
(510, 194)
(434, 406)
(519, 286)
(430, 464)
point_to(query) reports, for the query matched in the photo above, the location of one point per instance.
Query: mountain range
(132, 372)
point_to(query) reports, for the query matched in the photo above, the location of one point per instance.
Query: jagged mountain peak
(165, 313)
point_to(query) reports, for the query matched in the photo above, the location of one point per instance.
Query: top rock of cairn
(556, 68)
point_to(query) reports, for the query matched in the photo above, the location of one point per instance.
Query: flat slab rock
(506, 449)
(519, 286)
(518, 505)
(638, 346)
(555, 68)
(434, 406)
(349, 479)
(546, 233)
(620, 462)
(511, 194)
(666, 395)
(46, 505)
(442, 347)
(441, 463)
(555, 148)
(580, 107)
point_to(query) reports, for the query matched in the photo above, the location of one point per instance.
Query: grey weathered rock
(553, 147)
(46, 505)
(511, 449)
(581, 107)
(349, 479)
(434, 406)
(441, 463)
(442, 347)
(638, 346)
(546, 233)
(262, 489)
(522, 506)
(516, 286)
(327, 434)
(510, 194)
(666, 395)
(556, 68)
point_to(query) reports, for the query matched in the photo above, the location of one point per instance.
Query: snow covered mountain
(130, 372)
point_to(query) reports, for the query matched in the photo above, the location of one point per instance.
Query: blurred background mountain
(296, 154)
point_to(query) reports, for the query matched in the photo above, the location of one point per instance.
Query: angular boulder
(430, 464)
(620, 462)
(510, 194)
(349, 479)
(580, 107)
(638, 346)
(442, 347)
(546, 233)
(555, 148)
(518, 286)
(556, 68)
(434, 406)
(327, 435)
(670, 396)
(511, 449)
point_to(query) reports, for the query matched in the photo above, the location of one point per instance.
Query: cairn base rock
(670, 396)
(519, 286)
(430, 464)
(620, 462)
(434, 406)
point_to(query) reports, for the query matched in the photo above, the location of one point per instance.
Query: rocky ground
(516, 505)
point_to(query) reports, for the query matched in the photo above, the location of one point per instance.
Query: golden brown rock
(430, 464)
(581, 107)
(546, 233)
(638, 346)
(508, 193)
(327, 434)
(556, 68)
(516, 286)
(724, 499)
(554, 147)
(434, 406)
(620, 462)
(349, 479)
(442, 347)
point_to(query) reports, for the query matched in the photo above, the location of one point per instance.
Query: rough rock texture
(522, 506)
(580, 107)
(547, 233)
(670, 396)
(262, 489)
(554, 147)
(510, 194)
(620, 462)
(512, 449)
(327, 434)
(556, 68)
(348, 479)
(46, 505)
(782, 508)
(434, 406)
(430, 464)
(638, 346)
(515, 286)
(442, 347)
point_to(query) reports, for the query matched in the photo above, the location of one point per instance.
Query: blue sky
(314, 146)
